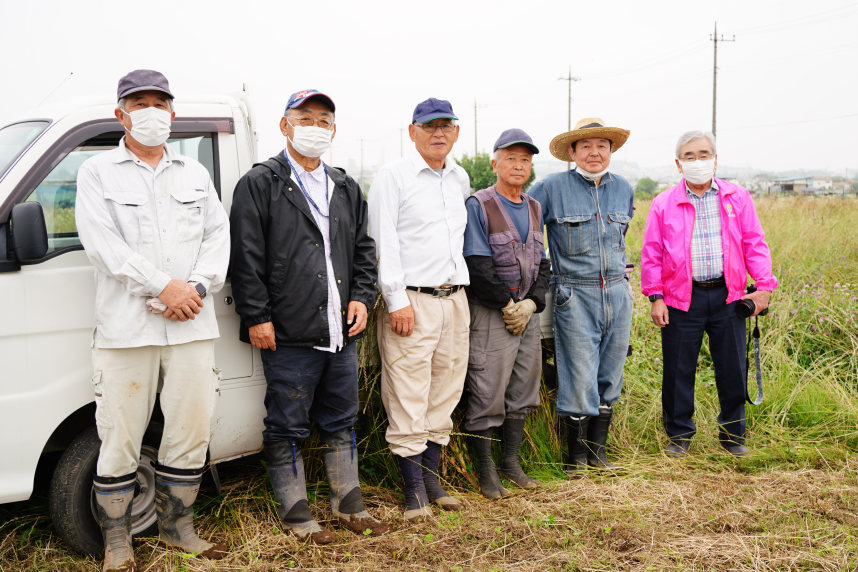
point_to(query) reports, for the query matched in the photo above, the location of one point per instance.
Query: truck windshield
(15, 138)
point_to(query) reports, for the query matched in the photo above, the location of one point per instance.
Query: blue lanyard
(303, 190)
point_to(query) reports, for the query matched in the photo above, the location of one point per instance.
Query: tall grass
(810, 364)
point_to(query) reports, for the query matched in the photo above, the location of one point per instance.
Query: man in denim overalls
(587, 211)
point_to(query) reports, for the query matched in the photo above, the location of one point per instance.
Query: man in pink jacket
(702, 239)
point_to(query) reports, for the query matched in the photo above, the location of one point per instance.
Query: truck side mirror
(29, 232)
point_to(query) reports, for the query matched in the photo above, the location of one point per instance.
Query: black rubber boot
(510, 468)
(417, 507)
(113, 498)
(341, 464)
(286, 471)
(597, 437)
(490, 485)
(175, 493)
(434, 490)
(576, 441)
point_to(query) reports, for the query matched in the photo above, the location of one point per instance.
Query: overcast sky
(787, 87)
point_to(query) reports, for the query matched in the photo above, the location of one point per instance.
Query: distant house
(841, 188)
(822, 183)
(794, 185)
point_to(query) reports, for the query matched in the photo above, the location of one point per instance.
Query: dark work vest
(516, 260)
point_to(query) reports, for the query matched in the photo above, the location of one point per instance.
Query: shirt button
(163, 230)
(320, 307)
(320, 275)
(338, 281)
(160, 202)
(317, 245)
(168, 260)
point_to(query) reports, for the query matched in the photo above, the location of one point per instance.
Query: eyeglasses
(324, 122)
(433, 127)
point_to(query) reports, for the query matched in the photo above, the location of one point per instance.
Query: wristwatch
(655, 297)
(201, 290)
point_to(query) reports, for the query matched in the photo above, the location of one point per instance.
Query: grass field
(792, 506)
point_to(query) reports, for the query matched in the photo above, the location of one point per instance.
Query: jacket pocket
(124, 207)
(275, 281)
(476, 361)
(619, 224)
(189, 206)
(103, 417)
(576, 234)
(504, 257)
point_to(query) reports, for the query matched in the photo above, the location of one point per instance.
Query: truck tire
(72, 502)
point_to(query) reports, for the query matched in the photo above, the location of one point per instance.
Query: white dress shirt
(417, 217)
(315, 184)
(141, 227)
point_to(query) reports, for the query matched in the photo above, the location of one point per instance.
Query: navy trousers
(308, 385)
(681, 340)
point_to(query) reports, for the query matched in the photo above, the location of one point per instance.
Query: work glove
(518, 315)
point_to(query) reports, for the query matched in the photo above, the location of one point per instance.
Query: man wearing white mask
(303, 276)
(152, 225)
(702, 239)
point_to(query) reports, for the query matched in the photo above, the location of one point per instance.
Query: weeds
(792, 506)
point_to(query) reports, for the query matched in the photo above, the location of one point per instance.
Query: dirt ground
(660, 515)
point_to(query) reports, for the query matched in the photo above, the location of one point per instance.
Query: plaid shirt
(707, 252)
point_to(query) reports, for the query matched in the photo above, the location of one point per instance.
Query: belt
(442, 292)
(709, 284)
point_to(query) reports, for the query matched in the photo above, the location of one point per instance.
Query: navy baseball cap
(298, 98)
(515, 137)
(142, 80)
(432, 109)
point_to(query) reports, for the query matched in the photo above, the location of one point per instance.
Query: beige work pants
(423, 374)
(126, 384)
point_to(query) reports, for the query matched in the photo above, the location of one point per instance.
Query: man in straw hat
(505, 253)
(587, 211)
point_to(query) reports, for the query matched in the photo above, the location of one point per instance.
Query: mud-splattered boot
(341, 464)
(175, 493)
(113, 497)
(286, 471)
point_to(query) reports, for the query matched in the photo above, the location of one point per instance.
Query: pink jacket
(666, 251)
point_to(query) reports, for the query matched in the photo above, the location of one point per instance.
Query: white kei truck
(47, 289)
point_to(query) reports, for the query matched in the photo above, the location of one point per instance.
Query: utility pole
(361, 165)
(714, 38)
(570, 79)
(401, 148)
(476, 149)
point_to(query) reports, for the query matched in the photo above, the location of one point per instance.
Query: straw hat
(587, 128)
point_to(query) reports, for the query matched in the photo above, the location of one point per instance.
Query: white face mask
(589, 175)
(698, 172)
(149, 126)
(311, 141)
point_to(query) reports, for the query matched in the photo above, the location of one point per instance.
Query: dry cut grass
(660, 515)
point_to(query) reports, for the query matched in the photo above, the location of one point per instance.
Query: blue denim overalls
(592, 304)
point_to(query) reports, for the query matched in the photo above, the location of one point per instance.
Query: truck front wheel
(72, 503)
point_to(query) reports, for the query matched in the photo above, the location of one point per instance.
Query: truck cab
(47, 287)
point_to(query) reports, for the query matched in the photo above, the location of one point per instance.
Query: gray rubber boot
(113, 498)
(341, 464)
(512, 431)
(597, 437)
(286, 471)
(490, 485)
(175, 494)
(576, 441)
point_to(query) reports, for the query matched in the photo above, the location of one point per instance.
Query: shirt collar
(318, 173)
(420, 163)
(122, 154)
(713, 188)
